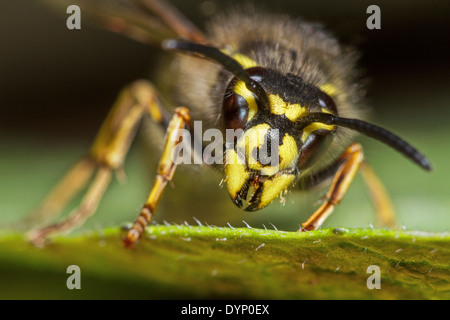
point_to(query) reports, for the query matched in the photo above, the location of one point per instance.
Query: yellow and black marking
(244, 168)
(284, 83)
(286, 109)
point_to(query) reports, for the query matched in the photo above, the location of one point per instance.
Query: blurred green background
(56, 87)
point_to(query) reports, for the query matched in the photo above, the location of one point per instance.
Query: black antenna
(373, 131)
(226, 61)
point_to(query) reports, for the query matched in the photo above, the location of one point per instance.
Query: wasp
(287, 79)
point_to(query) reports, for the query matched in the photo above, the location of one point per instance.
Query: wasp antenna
(387, 137)
(221, 58)
(373, 131)
(211, 53)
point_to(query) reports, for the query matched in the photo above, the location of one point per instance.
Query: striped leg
(106, 155)
(351, 159)
(166, 169)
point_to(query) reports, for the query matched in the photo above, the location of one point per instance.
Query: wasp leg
(166, 169)
(350, 161)
(382, 202)
(71, 184)
(107, 154)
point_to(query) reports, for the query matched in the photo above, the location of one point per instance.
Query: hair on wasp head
(290, 118)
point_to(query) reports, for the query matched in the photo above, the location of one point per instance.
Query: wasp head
(271, 145)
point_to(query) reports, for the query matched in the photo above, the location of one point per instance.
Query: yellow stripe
(245, 61)
(279, 107)
(241, 89)
(326, 111)
(288, 153)
(329, 89)
(273, 188)
(313, 127)
(235, 173)
(253, 138)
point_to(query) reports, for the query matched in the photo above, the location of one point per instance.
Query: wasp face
(272, 146)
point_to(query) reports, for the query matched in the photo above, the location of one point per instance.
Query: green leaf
(240, 263)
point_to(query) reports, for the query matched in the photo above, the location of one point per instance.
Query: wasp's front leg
(166, 169)
(106, 155)
(343, 170)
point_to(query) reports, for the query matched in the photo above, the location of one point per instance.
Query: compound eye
(257, 73)
(235, 107)
(326, 102)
